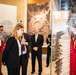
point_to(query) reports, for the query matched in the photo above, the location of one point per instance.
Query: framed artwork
(8, 17)
(38, 16)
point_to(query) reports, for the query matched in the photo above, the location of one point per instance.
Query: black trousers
(39, 58)
(24, 64)
(48, 56)
(13, 71)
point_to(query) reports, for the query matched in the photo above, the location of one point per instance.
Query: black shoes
(47, 65)
(32, 72)
(39, 73)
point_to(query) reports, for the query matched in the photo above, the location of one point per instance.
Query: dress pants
(24, 63)
(48, 56)
(39, 58)
(13, 71)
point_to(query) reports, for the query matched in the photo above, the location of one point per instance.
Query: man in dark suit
(37, 42)
(48, 50)
(25, 52)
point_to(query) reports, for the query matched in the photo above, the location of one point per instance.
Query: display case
(63, 21)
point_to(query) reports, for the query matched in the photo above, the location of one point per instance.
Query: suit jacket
(49, 40)
(11, 53)
(11, 56)
(28, 39)
(38, 44)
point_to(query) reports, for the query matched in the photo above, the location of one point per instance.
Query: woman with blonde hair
(12, 52)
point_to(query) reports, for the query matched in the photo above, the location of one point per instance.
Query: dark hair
(1, 26)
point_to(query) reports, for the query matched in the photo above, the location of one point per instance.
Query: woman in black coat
(12, 52)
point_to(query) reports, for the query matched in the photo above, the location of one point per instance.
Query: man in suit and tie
(37, 42)
(48, 50)
(25, 52)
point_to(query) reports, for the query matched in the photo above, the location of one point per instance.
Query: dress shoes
(32, 72)
(47, 65)
(39, 73)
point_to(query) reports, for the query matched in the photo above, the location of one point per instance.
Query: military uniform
(48, 50)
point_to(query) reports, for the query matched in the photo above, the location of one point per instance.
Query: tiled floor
(46, 70)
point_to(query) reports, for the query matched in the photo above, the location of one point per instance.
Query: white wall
(25, 15)
(8, 16)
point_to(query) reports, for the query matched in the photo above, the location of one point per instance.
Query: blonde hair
(17, 27)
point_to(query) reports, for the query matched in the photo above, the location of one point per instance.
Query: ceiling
(65, 4)
(36, 1)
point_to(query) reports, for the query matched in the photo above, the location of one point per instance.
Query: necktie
(23, 47)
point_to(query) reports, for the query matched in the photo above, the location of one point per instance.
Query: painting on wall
(8, 17)
(38, 16)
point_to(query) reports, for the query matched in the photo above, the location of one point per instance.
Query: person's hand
(48, 44)
(35, 48)
(23, 41)
(3, 63)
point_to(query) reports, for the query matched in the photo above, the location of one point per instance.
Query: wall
(20, 7)
(8, 17)
(36, 1)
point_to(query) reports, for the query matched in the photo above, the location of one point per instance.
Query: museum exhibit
(55, 20)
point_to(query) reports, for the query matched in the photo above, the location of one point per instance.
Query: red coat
(2, 47)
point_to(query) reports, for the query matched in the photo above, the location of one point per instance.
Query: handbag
(2, 47)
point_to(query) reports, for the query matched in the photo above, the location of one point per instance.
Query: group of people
(16, 52)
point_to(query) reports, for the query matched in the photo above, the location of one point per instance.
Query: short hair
(1, 26)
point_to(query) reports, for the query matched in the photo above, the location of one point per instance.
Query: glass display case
(63, 21)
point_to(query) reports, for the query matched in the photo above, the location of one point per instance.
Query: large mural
(39, 17)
